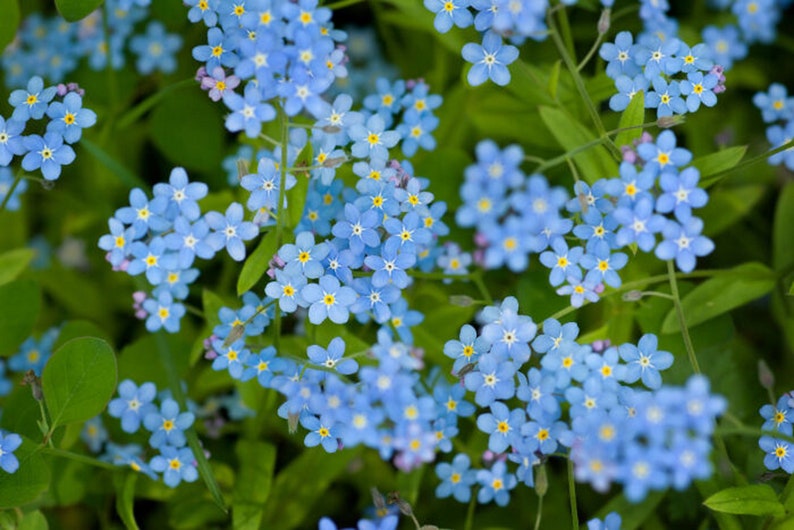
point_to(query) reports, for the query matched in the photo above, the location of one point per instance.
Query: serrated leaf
(20, 302)
(594, 162)
(721, 294)
(14, 262)
(9, 22)
(711, 165)
(30, 480)
(754, 499)
(125, 498)
(79, 380)
(74, 10)
(633, 116)
(257, 263)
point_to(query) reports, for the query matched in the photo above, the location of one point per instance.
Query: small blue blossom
(48, 154)
(644, 361)
(489, 60)
(168, 425)
(684, 242)
(9, 443)
(182, 195)
(163, 312)
(457, 478)
(176, 465)
(230, 231)
(332, 358)
(133, 404)
(328, 299)
(31, 102)
(496, 484)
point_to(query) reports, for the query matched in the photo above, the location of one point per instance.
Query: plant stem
(469, 524)
(83, 459)
(10, 192)
(113, 88)
(679, 310)
(140, 109)
(591, 52)
(540, 512)
(572, 495)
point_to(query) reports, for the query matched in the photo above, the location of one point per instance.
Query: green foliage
(30, 480)
(631, 119)
(13, 263)
(755, 499)
(721, 294)
(257, 263)
(78, 380)
(9, 22)
(74, 10)
(20, 302)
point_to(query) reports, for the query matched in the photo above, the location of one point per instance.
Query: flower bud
(604, 21)
(765, 375)
(541, 481)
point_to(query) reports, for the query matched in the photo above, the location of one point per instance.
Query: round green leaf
(79, 380)
(29, 481)
(19, 306)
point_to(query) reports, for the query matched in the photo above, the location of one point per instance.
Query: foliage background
(263, 471)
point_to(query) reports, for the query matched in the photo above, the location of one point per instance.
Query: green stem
(540, 512)
(17, 180)
(113, 88)
(751, 161)
(565, 32)
(469, 524)
(141, 108)
(83, 459)
(175, 384)
(591, 52)
(679, 310)
(572, 496)
(752, 432)
(125, 175)
(579, 82)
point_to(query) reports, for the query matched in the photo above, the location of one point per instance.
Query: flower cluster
(652, 66)
(161, 238)
(515, 216)
(779, 454)
(61, 107)
(777, 109)
(53, 48)
(575, 399)
(136, 406)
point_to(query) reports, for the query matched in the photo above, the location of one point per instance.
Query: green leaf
(9, 22)
(257, 263)
(633, 116)
(257, 462)
(74, 10)
(782, 248)
(299, 485)
(296, 197)
(30, 480)
(721, 294)
(188, 129)
(79, 380)
(33, 521)
(595, 162)
(20, 301)
(714, 163)
(554, 79)
(14, 262)
(125, 498)
(78, 328)
(754, 499)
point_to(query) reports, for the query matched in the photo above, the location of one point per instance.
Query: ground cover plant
(384, 264)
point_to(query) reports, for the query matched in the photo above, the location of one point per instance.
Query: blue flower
(358, 228)
(680, 193)
(644, 361)
(163, 313)
(449, 13)
(286, 289)
(725, 45)
(11, 141)
(457, 478)
(684, 243)
(94, 434)
(32, 102)
(144, 214)
(189, 240)
(155, 49)
(665, 98)
(639, 225)
(489, 60)
(152, 259)
(304, 257)
(328, 299)
(48, 154)
(182, 195)
(467, 350)
(322, 431)
(230, 231)
(232, 357)
(332, 358)
(176, 465)
(775, 104)
(8, 444)
(496, 484)
(264, 366)
(611, 522)
(492, 379)
(779, 454)
(133, 404)
(390, 266)
(620, 56)
(778, 417)
(562, 261)
(371, 139)
(580, 290)
(659, 57)
(204, 10)
(373, 299)
(217, 51)
(627, 88)
(248, 111)
(779, 136)
(696, 58)
(699, 89)
(168, 425)
(502, 424)
(602, 265)
(663, 154)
